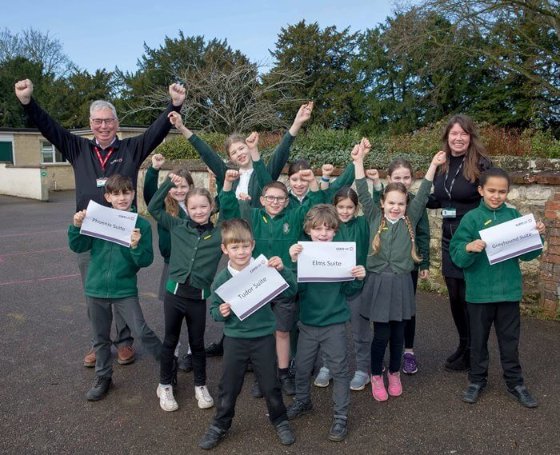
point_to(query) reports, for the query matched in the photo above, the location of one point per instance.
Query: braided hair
(376, 242)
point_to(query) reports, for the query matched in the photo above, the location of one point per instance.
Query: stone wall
(535, 189)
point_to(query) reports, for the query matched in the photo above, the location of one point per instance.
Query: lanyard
(448, 191)
(103, 161)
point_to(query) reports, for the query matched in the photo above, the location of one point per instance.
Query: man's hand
(24, 91)
(177, 93)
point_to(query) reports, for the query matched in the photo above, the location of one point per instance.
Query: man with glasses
(95, 160)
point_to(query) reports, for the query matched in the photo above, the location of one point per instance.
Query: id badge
(449, 212)
(101, 182)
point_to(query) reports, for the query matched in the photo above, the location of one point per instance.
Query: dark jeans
(237, 353)
(384, 333)
(456, 289)
(194, 312)
(506, 320)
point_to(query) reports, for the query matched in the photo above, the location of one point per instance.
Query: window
(49, 154)
(6, 152)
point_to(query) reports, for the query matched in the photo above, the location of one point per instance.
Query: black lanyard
(448, 191)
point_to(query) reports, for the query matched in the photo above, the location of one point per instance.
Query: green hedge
(319, 145)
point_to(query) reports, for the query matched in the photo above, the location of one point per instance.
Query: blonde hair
(171, 204)
(236, 231)
(376, 242)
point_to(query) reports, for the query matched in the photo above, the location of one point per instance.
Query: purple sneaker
(410, 366)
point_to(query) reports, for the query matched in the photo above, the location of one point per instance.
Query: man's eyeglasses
(101, 121)
(275, 198)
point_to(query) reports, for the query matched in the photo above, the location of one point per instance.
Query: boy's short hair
(321, 215)
(236, 231)
(118, 184)
(275, 184)
(493, 172)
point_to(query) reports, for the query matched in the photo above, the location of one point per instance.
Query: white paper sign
(511, 239)
(252, 288)
(326, 261)
(108, 224)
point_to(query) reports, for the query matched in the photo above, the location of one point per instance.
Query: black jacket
(126, 158)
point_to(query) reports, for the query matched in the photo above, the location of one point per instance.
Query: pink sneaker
(395, 386)
(378, 388)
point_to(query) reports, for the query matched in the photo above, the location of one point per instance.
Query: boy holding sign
(493, 292)
(111, 282)
(322, 325)
(249, 339)
(276, 227)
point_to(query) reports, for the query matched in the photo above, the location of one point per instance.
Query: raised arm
(358, 153)
(151, 177)
(282, 152)
(156, 132)
(66, 143)
(417, 206)
(156, 207)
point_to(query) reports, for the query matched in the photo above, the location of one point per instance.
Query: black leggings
(410, 324)
(391, 332)
(456, 289)
(194, 312)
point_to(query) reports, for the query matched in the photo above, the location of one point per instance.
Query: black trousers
(506, 320)
(410, 324)
(456, 288)
(262, 353)
(194, 312)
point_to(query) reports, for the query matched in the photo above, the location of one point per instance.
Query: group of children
(259, 215)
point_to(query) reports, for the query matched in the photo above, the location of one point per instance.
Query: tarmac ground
(45, 333)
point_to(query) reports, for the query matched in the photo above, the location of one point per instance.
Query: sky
(110, 34)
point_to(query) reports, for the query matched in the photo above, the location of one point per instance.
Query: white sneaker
(359, 381)
(201, 393)
(166, 399)
(324, 377)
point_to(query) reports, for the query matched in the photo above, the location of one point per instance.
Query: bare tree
(37, 47)
(225, 99)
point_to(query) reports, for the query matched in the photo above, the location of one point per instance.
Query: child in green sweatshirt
(111, 282)
(322, 325)
(493, 291)
(250, 339)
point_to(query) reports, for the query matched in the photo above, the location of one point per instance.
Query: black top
(126, 156)
(464, 193)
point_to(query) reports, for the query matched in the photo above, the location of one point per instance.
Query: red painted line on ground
(32, 233)
(31, 252)
(47, 278)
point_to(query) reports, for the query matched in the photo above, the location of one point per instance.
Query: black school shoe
(463, 363)
(256, 391)
(288, 383)
(521, 394)
(185, 363)
(472, 393)
(99, 388)
(212, 437)
(298, 408)
(339, 429)
(215, 349)
(285, 433)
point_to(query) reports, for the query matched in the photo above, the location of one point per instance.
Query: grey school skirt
(388, 296)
